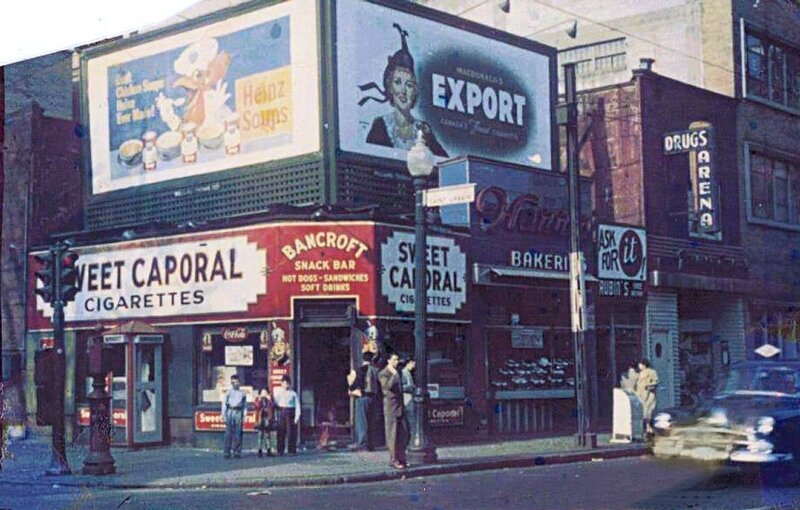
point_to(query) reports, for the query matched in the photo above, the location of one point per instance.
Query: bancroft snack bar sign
(185, 278)
(621, 261)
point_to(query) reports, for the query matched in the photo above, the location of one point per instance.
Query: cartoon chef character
(202, 68)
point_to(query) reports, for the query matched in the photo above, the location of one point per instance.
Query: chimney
(646, 64)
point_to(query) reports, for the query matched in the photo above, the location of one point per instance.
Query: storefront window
(232, 351)
(446, 356)
(773, 70)
(778, 326)
(530, 358)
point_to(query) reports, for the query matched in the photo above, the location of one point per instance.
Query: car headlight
(765, 425)
(717, 418)
(662, 421)
(760, 446)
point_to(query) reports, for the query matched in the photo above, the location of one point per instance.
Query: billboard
(471, 94)
(233, 93)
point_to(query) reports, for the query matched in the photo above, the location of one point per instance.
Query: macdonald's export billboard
(233, 93)
(471, 94)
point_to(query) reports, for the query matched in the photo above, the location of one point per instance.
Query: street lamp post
(420, 166)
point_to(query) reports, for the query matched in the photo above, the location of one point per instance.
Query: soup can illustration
(150, 152)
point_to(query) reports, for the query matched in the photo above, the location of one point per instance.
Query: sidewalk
(181, 467)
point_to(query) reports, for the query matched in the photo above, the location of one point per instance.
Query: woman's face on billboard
(404, 89)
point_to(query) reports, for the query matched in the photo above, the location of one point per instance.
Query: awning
(484, 273)
(700, 282)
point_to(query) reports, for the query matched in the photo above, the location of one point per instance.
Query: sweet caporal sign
(186, 278)
(446, 273)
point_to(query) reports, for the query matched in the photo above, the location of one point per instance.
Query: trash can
(628, 416)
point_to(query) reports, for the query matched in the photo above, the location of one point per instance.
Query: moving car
(753, 421)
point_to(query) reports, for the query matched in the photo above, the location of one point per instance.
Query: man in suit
(394, 412)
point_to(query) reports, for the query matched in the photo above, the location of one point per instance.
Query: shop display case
(531, 362)
(531, 379)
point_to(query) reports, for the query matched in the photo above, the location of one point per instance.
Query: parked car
(752, 422)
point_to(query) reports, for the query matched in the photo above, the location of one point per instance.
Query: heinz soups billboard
(237, 92)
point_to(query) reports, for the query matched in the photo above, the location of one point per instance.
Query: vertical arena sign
(698, 142)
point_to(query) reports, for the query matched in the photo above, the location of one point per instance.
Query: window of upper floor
(773, 184)
(596, 58)
(771, 70)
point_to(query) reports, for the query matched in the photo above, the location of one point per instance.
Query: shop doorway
(325, 360)
(697, 361)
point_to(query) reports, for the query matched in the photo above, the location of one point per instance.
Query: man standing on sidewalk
(646, 385)
(287, 406)
(408, 392)
(394, 412)
(233, 410)
(364, 403)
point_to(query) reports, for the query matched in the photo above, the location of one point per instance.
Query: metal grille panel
(362, 185)
(299, 184)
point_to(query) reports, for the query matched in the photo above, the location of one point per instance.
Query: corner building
(247, 211)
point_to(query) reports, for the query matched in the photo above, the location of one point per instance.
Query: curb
(414, 472)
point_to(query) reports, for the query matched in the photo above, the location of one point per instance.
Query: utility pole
(577, 287)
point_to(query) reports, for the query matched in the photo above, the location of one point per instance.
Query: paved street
(613, 484)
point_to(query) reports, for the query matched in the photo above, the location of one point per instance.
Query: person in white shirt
(234, 407)
(287, 408)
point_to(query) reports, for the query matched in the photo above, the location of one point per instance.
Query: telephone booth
(136, 370)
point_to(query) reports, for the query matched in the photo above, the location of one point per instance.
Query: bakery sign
(621, 261)
(698, 142)
(446, 275)
(166, 278)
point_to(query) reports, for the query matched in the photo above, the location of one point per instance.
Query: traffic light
(47, 276)
(68, 277)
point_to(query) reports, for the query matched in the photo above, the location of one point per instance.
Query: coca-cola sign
(234, 334)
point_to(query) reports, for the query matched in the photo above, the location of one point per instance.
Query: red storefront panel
(249, 273)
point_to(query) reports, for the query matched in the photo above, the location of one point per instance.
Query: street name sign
(449, 195)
